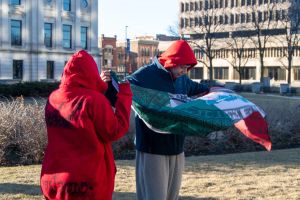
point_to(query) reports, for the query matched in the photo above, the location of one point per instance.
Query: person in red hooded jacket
(81, 125)
(160, 157)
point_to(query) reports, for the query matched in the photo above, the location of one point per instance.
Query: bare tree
(263, 23)
(239, 57)
(290, 40)
(206, 27)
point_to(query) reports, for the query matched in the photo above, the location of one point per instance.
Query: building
(141, 51)
(109, 52)
(221, 29)
(37, 37)
(146, 47)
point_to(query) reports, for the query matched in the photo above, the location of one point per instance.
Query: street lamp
(125, 51)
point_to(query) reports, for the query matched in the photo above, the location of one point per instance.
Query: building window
(276, 73)
(247, 73)
(237, 18)
(48, 34)
(16, 32)
(196, 73)
(50, 69)
(243, 18)
(67, 5)
(17, 69)
(15, 2)
(220, 72)
(84, 3)
(196, 6)
(297, 74)
(67, 36)
(186, 7)
(83, 37)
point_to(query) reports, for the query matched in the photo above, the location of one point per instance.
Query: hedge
(28, 89)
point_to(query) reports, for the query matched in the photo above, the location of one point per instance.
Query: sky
(142, 17)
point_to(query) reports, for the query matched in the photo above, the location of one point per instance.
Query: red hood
(81, 71)
(179, 53)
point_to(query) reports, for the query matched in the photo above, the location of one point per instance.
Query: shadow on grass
(124, 196)
(196, 198)
(132, 196)
(13, 188)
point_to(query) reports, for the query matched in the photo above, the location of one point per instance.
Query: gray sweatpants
(158, 177)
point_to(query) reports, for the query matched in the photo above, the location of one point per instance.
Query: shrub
(28, 89)
(22, 131)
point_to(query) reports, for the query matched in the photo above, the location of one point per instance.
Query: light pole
(125, 66)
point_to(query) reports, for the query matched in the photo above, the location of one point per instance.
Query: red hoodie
(81, 125)
(179, 53)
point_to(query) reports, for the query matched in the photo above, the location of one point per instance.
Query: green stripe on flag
(191, 118)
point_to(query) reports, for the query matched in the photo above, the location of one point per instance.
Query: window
(84, 3)
(67, 36)
(15, 2)
(237, 18)
(220, 72)
(181, 23)
(196, 73)
(276, 73)
(196, 6)
(206, 5)
(243, 18)
(297, 74)
(17, 69)
(67, 5)
(83, 37)
(16, 32)
(248, 18)
(260, 16)
(186, 7)
(48, 34)
(50, 69)
(191, 6)
(231, 19)
(246, 73)
(196, 21)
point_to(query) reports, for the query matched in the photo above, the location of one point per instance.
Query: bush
(28, 89)
(23, 133)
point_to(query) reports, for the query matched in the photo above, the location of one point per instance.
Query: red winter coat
(81, 126)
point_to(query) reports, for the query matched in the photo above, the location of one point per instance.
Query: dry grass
(256, 175)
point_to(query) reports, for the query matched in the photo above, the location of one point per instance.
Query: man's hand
(105, 76)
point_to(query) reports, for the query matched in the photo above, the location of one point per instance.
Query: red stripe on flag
(255, 127)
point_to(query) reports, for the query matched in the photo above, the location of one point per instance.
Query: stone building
(228, 21)
(37, 37)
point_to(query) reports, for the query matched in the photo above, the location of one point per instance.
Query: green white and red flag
(218, 110)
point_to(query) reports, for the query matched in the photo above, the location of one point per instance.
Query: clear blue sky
(143, 17)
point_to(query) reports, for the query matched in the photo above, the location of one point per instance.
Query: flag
(220, 109)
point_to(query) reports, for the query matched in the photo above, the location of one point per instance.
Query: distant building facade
(37, 37)
(229, 19)
(142, 50)
(109, 52)
(146, 47)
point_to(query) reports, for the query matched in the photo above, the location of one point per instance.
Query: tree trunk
(289, 68)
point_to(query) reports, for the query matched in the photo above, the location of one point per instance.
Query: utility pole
(125, 63)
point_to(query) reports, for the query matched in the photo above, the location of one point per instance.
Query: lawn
(255, 175)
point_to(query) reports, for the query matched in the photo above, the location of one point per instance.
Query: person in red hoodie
(81, 125)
